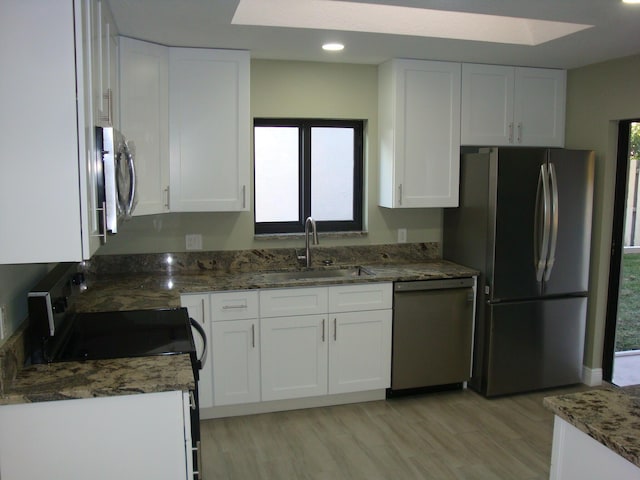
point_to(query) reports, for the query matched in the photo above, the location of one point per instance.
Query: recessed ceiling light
(396, 20)
(333, 47)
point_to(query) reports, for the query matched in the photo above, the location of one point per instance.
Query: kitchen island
(596, 434)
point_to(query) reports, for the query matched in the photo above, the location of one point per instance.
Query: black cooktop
(121, 334)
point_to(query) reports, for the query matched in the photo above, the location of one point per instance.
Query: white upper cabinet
(186, 111)
(419, 133)
(209, 127)
(46, 132)
(512, 106)
(144, 119)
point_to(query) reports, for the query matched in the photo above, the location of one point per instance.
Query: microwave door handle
(132, 179)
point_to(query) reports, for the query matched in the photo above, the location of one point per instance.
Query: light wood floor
(456, 434)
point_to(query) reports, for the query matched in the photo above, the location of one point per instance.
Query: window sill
(297, 236)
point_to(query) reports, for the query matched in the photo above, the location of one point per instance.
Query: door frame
(617, 247)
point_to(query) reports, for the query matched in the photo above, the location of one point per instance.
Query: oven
(58, 333)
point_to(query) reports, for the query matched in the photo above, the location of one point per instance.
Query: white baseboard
(591, 377)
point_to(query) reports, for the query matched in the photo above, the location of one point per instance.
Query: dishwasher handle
(441, 284)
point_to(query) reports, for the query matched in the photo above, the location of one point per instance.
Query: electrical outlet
(4, 322)
(193, 241)
(402, 235)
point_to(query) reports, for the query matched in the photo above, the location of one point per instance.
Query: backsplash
(12, 357)
(239, 261)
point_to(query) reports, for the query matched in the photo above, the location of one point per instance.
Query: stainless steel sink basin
(351, 272)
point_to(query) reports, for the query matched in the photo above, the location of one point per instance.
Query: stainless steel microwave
(116, 177)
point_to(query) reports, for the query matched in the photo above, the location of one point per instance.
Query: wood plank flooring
(447, 435)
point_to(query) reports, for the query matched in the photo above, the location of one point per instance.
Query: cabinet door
(209, 130)
(234, 305)
(126, 436)
(200, 310)
(39, 197)
(539, 110)
(359, 351)
(294, 356)
(235, 345)
(419, 133)
(285, 302)
(354, 298)
(144, 119)
(487, 105)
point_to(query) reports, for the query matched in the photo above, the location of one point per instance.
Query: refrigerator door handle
(554, 221)
(541, 222)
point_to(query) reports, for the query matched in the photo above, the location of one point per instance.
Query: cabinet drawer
(353, 298)
(234, 305)
(293, 301)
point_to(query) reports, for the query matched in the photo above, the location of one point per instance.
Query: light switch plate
(402, 235)
(193, 241)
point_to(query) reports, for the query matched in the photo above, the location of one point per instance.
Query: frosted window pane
(332, 173)
(276, 174)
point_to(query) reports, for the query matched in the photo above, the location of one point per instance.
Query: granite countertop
(100, 378)
(149, 281)
(609, 415)
(163, 289)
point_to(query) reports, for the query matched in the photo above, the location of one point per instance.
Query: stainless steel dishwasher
(432, 333)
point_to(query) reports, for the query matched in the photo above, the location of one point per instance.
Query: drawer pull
(233, 307)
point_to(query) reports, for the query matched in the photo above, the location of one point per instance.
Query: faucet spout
(309, 225)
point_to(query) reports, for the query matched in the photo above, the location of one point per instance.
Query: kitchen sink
(351, 272)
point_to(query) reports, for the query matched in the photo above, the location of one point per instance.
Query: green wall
(291, 89)
(597, 97)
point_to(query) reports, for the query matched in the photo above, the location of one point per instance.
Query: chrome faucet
(309, 224)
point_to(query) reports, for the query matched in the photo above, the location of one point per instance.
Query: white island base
(577, 456)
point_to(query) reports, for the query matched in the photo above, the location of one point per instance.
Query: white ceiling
(207, 23)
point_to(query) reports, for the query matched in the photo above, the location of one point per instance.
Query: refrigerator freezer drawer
(534, 345)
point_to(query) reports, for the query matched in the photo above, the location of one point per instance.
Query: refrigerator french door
(524, 221)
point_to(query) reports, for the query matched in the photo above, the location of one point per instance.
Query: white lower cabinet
(347, 348)
(236, 359)
(127, 436)
(294, 356)
(294, 343)
(359, 351)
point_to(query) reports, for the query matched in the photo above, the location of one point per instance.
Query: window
(308, 168)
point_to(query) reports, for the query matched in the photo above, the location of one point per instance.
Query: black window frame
(304, 126)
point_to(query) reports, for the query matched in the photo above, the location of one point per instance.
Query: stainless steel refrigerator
(524, 222)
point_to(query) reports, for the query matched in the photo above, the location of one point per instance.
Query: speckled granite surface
(158, 290)
(100, 378)
(609, 415)
(130, 282)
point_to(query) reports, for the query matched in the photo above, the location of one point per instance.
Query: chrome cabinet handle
(335, 329)
(519, 132)
(166, 192)
(323, 325)
(244, 196)
(511, 132)
(103, 210)
(400, 194)
(108, 97)
(253, 335)
(233, 307)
